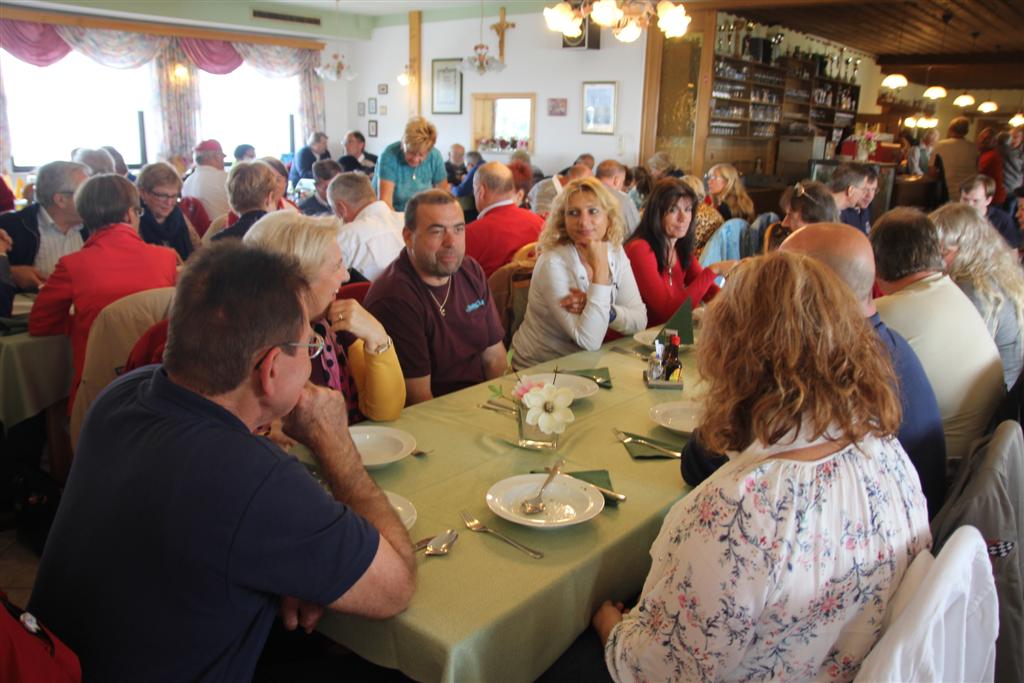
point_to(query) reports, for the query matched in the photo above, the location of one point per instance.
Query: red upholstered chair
(196, 214)
(356, 290)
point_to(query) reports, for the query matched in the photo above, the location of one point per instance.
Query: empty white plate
(679, 416)
(581, 387)
(380, 446)
(404, 507)
(647, 337)
(567, 501)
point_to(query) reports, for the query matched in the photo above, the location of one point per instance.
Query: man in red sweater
(501, 227)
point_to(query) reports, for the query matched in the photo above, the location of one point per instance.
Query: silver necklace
(442, 304)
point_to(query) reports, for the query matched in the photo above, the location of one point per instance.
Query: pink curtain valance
(213, 56)
(31, 42)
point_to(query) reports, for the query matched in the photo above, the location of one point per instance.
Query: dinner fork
(625, 438)
(474, 524)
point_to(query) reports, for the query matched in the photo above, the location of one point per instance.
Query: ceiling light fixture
(964, 100)
(626, 18)
(936, 92)
(987, 107)
(480, 61)
(405, 77)
(1017, 120)
(910, 122)
(895, 81)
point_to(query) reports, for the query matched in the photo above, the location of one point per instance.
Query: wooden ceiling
(910, 36)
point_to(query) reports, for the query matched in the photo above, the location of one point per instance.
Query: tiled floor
(17, 568)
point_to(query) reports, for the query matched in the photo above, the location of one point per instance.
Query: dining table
(487, 611)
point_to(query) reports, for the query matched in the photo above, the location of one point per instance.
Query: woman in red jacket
(661, 253)
(113, 263)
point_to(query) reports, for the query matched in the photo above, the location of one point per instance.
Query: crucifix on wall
(500, 29)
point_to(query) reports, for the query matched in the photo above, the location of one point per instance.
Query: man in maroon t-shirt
(435, 304)
(501, 228)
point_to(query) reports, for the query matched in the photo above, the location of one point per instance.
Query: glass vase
(531, 436)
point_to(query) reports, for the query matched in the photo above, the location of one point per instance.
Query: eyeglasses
(800, 191)
(315, 346)
(164, 197)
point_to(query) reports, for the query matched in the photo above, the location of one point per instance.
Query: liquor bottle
(672, 367)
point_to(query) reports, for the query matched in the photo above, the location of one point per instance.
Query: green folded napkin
(638, 450)
(14, 325)
(682, 322)
(595, 477)
(602, 376)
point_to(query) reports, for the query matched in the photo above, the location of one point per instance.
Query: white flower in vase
(549, 408)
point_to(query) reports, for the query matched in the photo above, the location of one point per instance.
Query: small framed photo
(383, 110)
(598, 110)
(558, 106)
(371, 105)
(361, 108)
(382, 89)
(371, 128)
(446, 86)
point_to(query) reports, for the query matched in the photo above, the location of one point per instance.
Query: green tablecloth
(487, 612)
(35, 373)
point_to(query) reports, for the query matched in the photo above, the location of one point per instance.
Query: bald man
(501, 228)
(847, 251)
(543, 194)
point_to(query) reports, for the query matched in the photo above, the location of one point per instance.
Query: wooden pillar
(415, 67)
(652, 94)
(703, 21)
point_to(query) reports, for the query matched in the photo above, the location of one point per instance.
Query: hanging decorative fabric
(212, 56)
(31, 42)
(179, 102)
(116, 49)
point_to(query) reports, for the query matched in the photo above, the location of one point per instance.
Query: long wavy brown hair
(808, 355)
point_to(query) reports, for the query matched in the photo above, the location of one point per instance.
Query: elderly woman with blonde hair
(410, 165)
(727, 193)
(254, 189)
(581, 252)
(358, 358)
(781, 564)
(986, 269)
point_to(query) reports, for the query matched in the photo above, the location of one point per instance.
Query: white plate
(567, 501)
(581, 387)
(404, 507)
(679, 416)
(380, 446)
(647, 337)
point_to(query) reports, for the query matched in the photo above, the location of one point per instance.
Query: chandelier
(334, 68)
(626, 18)
(480, 61)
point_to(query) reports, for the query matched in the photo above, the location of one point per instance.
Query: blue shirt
(857, 218)
(1004, 225)
(408, 181)
(177, 533)
(920, 431)
(465, 188)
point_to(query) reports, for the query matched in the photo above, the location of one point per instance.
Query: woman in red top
(113, 263)
(661, 254)
(990, 163)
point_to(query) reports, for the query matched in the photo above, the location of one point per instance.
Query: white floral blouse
(776, 569)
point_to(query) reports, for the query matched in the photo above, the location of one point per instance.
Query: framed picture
(446, 86)
(371, 128)
(371, 105)
(558, 106)
(382, 89)
(598, 110)
(361, 108)
(383, 110)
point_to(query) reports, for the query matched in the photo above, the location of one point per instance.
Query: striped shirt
(54, 243)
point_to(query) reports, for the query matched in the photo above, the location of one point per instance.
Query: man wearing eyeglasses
(181, 533)
(849, 188)
(48, 229)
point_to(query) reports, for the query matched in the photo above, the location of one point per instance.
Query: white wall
(535, 62)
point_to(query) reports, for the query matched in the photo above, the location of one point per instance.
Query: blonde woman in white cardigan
(583, 284)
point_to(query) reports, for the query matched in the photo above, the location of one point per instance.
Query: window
(500, 118)
(76, 103)
(246, 107)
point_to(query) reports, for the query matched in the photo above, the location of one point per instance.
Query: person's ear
(407, 236)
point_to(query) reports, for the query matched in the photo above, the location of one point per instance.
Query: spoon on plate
(535, 505)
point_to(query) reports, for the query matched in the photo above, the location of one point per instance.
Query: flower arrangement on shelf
(866, 145)
(547, 405)
(502, 144)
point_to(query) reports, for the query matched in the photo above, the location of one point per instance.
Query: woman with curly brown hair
(781, 564)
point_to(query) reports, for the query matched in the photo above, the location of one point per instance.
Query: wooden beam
(415, 67)
(154, 28)
(707, 24)
(651, 95)
(952, 59)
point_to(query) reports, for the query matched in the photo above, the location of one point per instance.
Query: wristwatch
(380, 349)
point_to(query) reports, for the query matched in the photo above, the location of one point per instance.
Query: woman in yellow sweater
(358, 359)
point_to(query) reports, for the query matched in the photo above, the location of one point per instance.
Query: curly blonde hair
(554, 232)
(808, 357)
(983, 260)
(735, 194)
(420, 135)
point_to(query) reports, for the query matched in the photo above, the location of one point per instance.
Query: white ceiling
(380, 7)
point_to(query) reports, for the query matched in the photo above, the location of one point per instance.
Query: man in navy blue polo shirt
(181, 533)
(848, 252)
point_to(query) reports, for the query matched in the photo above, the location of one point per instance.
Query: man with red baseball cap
(208, 182)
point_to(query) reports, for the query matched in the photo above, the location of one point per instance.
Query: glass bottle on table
(672, 367)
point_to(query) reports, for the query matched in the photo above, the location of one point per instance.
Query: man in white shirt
(543, 194)
(371, 237)
(612, 175)
(940, 323)
(48, 229)
(208, 182)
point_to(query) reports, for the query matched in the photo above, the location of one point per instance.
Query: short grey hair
(316, 137)
(57, 176)
(353, 188)
(98, 160)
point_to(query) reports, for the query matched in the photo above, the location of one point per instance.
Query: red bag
(30, 652)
